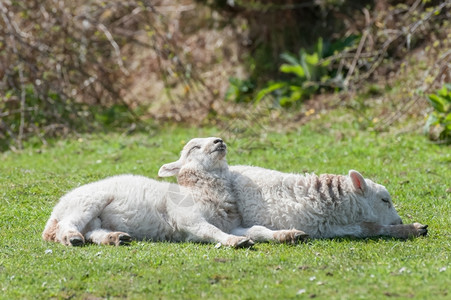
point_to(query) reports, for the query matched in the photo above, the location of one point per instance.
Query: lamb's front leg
(401, 231)
(202, 231)
(263, 234)
(107, 237)
(101, 236)
(369, 229)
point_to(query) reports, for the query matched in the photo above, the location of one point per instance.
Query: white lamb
(211, 184)
(117, 209)
(322, 206)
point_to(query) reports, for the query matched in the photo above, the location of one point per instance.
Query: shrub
(62, 64)
(438, 125)
(240, 90)
(311, 71)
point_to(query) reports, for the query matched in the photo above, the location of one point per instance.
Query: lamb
(322, 206)
(115, 210)
(211, 185)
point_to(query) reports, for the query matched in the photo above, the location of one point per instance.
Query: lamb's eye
(385, 200)
(195, 147)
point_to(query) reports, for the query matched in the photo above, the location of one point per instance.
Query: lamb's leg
(368, 229)
(63, 232)
(100, 236)
(401, 231)
(107, 237)
(68, 234)
(263, 234)
(202, 231)
(82, 210)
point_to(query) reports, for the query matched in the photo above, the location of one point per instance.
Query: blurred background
(81, 66)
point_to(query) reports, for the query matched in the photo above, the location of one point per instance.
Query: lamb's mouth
(220, 148)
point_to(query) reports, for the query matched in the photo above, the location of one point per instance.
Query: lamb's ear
(170, 169)
(358, 182)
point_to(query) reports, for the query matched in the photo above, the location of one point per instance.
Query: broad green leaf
(294, 69)
(289, 58)
(269, 89)
(295, 88)
(447, 97)
(284, 101)
(437, 102)
(296, 96)
(312, 59)
(443, 92)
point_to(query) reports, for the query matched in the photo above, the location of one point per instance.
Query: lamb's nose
(217, 141)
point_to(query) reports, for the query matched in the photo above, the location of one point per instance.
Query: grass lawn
(416, 172)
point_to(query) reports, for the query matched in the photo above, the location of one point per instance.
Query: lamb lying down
(115, 210)
(211, 184)
(322, 206)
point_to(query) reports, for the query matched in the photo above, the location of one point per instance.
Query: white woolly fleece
(322, 206)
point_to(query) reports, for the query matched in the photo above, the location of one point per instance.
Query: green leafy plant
(440, 118)
(240, 90)
(311, 71)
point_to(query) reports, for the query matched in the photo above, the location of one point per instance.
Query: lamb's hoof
(73, 238)
(301, 237)
(290, 236)
(76, 241)
(124, 239)
(239, 242)
(246, 243)
(422, 230)
(118, 239)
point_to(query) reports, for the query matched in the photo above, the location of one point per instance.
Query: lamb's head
(377, 197)
(203, 154)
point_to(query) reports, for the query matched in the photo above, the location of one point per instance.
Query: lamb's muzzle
(222, 147)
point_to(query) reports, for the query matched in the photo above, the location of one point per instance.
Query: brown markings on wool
(212, 190)
(342, 181)
(328, 187)
(188, 178)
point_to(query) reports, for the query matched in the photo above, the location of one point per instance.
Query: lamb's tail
(50, 230)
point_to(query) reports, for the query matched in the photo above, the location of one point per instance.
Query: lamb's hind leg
(263, 234)
(81, 210)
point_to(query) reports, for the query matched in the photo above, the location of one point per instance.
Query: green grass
(417, 174)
